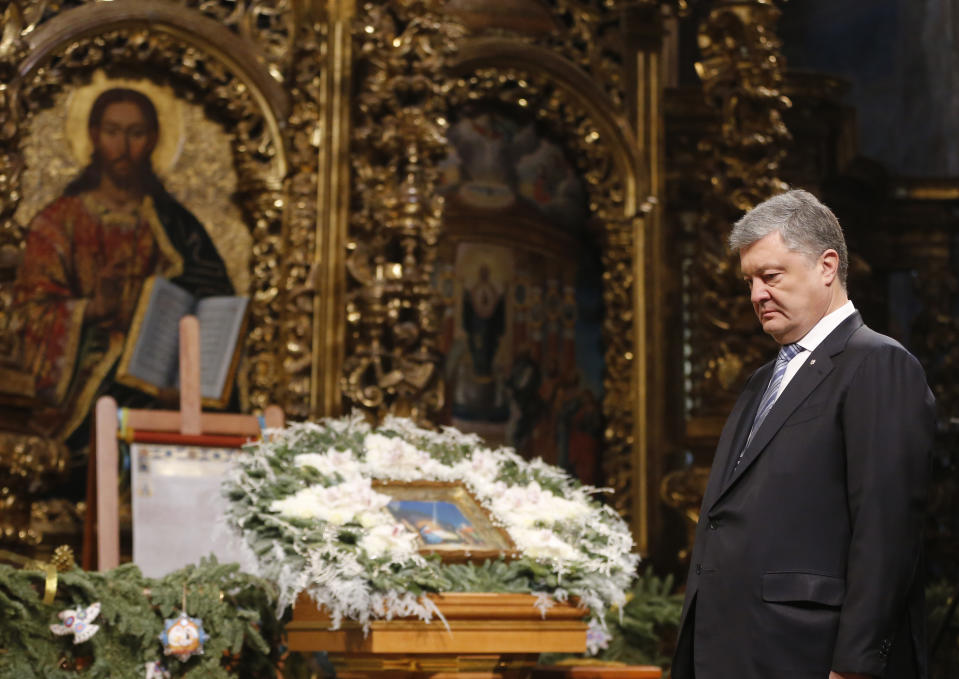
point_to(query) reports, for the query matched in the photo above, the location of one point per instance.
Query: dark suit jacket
(807, 557)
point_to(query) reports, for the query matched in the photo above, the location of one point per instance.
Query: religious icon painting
(520, 277)
(447, 520)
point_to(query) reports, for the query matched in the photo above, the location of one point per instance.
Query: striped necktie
(786, 353)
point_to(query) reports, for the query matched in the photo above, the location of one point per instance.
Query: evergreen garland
(237, 612)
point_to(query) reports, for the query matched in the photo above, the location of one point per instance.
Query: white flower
(303, 504)
(337, 504)
(597, 638)
(391, 540)
(331, 462)
(542, 543)
(527, 505)
(368, 519)
(395, 458)
(482, 465)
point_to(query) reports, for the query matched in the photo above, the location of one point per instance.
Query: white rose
(529, 505)
(331, 462)
(391, 540)
(541, 543)
(301, 505)
(370, 519)
(401, 460)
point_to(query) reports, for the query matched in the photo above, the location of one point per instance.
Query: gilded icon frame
(478, 538)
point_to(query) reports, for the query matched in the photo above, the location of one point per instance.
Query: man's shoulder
(865, 338)
(867, 343)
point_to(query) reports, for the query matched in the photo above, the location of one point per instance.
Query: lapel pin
(812, 362)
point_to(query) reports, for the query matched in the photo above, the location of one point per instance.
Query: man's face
(123, 142)
(789, 291)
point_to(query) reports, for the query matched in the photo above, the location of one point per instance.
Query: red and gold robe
(77, 252)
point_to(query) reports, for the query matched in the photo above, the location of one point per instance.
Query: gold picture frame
(448, 520)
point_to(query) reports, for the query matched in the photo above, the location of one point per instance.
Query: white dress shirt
(814, 338)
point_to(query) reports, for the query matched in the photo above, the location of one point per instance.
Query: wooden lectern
(188, 426)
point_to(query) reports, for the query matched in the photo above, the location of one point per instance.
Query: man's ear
(829, 265)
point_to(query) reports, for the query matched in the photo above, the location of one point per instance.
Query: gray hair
(805, 224)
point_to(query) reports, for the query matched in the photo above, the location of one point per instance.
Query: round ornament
(183, 637)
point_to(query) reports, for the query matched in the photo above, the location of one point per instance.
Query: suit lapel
(734, 434)
(817, 365)
(813, 371)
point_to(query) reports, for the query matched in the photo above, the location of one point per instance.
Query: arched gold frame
(565, 98)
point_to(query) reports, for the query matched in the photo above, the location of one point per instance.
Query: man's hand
(849, 675)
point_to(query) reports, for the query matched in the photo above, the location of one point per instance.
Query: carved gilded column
(741, 71)
(642, 66)
(736, 166)
(12, 50)
(392, 363)
(314, 337)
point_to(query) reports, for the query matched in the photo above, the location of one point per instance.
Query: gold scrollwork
(299, 278)
(398, 139)
(13, 48)
(269, 24)
(26, 462)
(741, 72)
(591, 37)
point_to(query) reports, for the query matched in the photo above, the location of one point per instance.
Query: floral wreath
(305, 502)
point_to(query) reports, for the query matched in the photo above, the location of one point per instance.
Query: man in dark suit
(806, 562)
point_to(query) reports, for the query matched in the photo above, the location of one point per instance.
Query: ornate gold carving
(591, 37)
(269, 24)
(24, 460)
(296, 330)
(26, 464)
(398, 139)
(13, 47)
(741, 72)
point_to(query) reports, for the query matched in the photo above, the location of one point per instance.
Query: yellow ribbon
(125, 433)
(50, 585)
